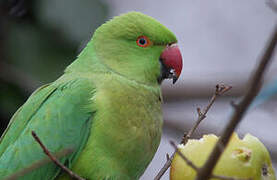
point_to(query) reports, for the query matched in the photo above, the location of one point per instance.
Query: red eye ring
(143, 41)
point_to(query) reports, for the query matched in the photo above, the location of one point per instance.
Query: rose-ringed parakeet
(106, 106)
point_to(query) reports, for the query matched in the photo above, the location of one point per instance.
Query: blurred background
(220, 43)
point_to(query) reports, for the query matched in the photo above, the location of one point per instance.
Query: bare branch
(37, 164)
(55, 160)
(190, 163)
(219, 90)
(239, 111)
(167, 156)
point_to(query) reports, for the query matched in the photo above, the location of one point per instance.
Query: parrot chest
(126, 131)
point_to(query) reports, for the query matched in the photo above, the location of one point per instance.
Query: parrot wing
(61, 114)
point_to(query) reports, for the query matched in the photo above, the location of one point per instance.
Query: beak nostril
(172, 45)
(172, 71)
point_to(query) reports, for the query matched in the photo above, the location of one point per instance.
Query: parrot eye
(143, 41)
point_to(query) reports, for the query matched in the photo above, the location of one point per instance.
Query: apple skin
(246, 158)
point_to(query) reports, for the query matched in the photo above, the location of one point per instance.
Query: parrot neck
(86, 62)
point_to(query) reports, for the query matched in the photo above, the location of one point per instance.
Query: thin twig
(189, 163)
(197, 169)
(220, 89)
(37, 164)
(240, 109)
(167, 156)
(55, 160)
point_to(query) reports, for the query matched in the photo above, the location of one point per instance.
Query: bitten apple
(246, 158)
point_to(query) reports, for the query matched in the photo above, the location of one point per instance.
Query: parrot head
(137, 46)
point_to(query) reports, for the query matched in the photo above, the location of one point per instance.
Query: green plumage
(106, 107)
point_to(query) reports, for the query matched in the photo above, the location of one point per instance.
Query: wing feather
(61, 114)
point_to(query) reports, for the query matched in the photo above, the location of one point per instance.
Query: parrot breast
(125, 132)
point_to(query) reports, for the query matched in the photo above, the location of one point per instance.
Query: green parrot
(106, 106)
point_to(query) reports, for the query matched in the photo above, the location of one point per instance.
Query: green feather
(60, 113)
(107, 107)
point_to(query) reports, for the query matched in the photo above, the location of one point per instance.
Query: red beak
(171, 57)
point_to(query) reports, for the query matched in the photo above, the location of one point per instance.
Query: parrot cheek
(171, 63)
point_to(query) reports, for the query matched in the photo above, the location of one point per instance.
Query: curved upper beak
(171, 62)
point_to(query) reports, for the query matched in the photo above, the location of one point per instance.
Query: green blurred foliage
(38, 40)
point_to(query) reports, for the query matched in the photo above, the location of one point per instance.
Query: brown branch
(189, 163)
(37, 164)
(197, 169)
(220, 89)
(55, 160)
(240, 109)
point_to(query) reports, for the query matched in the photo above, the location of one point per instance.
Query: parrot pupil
(142, 41)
